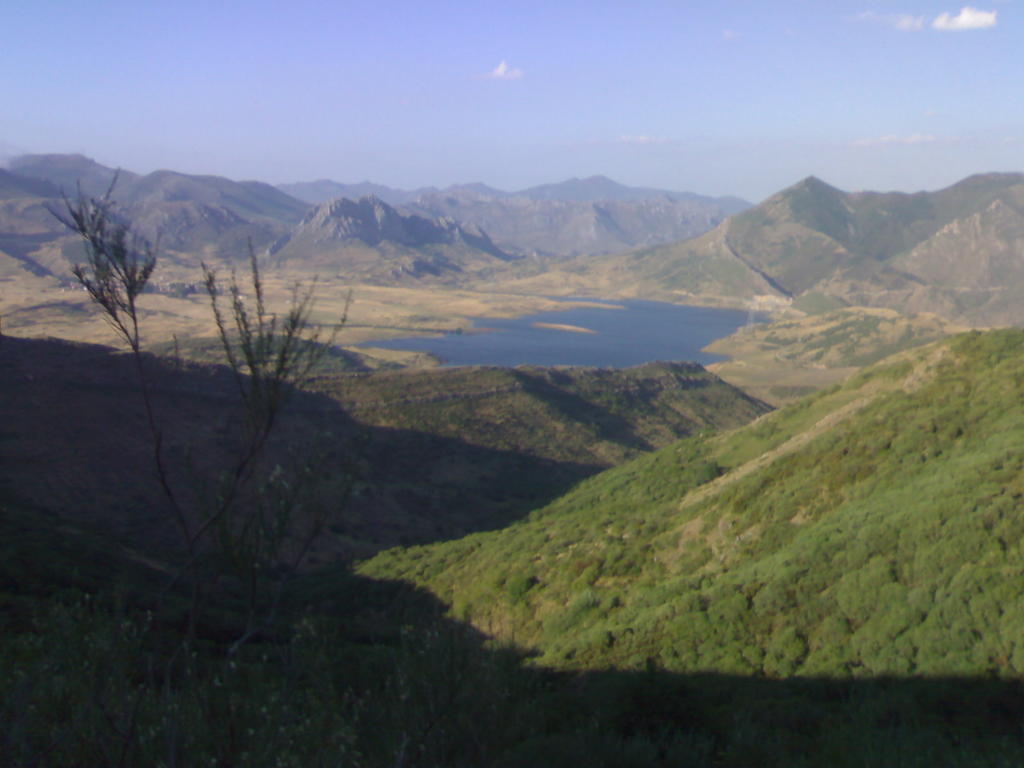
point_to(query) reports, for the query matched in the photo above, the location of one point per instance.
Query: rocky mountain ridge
(574, 217)
(957, 252)
(217, 218)
(370, 238)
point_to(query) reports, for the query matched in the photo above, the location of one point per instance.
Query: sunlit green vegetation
(885, 542)
(837, 583)
(365, 674)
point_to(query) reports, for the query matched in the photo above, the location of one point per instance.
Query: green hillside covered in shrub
(872, 529)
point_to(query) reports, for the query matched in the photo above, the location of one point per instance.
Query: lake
(617, 335)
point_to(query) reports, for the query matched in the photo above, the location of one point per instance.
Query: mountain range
(206, 216)
(217, 218)
(370, 241)
(593, 189)
(837, 582)
(955, 252)
(574, 217)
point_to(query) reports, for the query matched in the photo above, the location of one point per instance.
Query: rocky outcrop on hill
(186, 214)
(373, 221)
(562, 228)
(956, 252)
(578, 216)
(370, 239)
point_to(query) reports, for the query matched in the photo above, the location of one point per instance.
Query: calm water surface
(639, 332)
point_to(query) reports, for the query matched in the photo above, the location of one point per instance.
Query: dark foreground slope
(433, 454)
(95, 667)
(366, 674)
(594, 416)
(873, 529)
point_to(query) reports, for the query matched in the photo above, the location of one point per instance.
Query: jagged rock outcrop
(369, 239)
(957, 252)
(579, 216)
(373, 221)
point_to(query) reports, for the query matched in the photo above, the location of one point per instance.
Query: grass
(837, 583)
(865, 531)
(782, 361)
(366, 674)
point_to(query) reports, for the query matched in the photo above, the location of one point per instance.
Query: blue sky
(725, 97)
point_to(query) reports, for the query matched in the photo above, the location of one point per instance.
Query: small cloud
(504, 72)
(730, 34)
(904, 22)
(907, 23)
(968, 18)
(882, 141)
(642, 140)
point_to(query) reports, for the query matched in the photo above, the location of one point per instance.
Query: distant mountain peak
(602, 180)
(70, 172)
(373, 222)
(74, 160)
(813, 183)
(589, 190)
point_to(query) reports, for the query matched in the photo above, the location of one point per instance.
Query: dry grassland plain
(777, 362)
(782, 361)
(37, 307)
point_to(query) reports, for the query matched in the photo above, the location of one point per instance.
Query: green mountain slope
(953, 252)
(872, 529)
(354, 671)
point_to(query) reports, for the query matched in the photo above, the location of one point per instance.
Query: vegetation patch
(865, 531)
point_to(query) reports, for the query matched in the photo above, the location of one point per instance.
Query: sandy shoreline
(562, 327)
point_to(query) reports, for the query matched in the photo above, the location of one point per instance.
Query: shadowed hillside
(435, 454)
(367, 673)
(837, 583)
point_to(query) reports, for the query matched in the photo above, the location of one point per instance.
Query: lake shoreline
(641, 331)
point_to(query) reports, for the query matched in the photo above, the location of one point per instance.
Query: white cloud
(908, 23)
(642, 140)
(968, 18)
(730, 34)
(881, 141)
(901, 21)
(504, 72)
